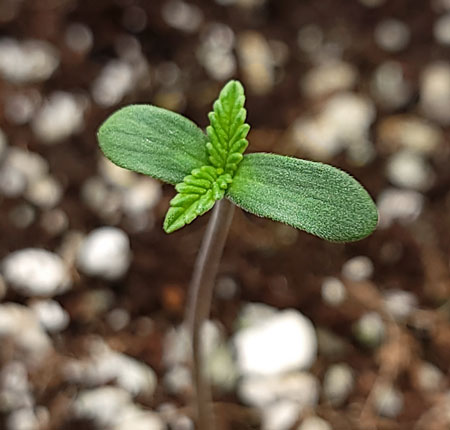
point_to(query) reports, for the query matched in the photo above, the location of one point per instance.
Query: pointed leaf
(227, 132)
(153, 141)
(314, 197)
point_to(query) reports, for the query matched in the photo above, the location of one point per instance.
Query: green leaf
(227, 132)
(153, 141)
(227, 140)
(314, 197)
(196, 195)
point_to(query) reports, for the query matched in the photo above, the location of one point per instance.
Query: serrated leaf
(153, 141)
(314, 197)
(185, 208)
(227, 132)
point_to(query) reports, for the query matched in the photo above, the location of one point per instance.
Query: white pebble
(15, 390)
(114, 82)
(286, 341)
(27, 62)
(310, 38)
(178, 380)
(45, 192)
(435, 92)
(410, 132)
(358, 268)
(182, 16)
(61, 116)
(409, 169)
(388, 401)
(338, 383)
(441, 29)
(79, 38)
(30, 164)
(20, 324)
(20, 107)
(118, 319)
(392, 35)
(314, 423)
(141, 197)
(257, 62)
(389, 85)
(430, 377)
(22, 419)
(105, 365)
(399, 205)
(280, 415)
(400, 304)
(105, 252)
(333, 291)
(36, 272)
(51, 315)
(112, 408)
(259, 391)
(329, 77)
(370, 330)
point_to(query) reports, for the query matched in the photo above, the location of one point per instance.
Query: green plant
(206, 168)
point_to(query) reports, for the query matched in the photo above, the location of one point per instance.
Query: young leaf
(314, 197)
(153, 141)
(227, 142)
(227, 132)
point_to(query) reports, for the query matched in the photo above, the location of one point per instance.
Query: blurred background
(305, 334)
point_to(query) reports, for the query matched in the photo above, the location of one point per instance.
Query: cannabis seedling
(212, 167)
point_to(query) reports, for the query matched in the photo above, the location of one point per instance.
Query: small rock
(409, 132)
(141, 197)
(105, 252)
(216, 52)
(45, 193)
(118, 319)
(435, 92)
(15, 390)
(105, 365)
(61, 116)
(182, 16)
(399, 205)
(280, 415)
(115, 81)
(20, 324)
(226, 288)
(338, 383)
(259, 391)
(116, 176)
(388, 401)
(333, 291)
(254, 314)
(329, 77)
(178, 380)
(441, 29)
(30, 164)
(79, 38)
(370, 330)
(392, 35)
(27, 62)
(256, 61)
(111, 407)
(408, 169)
(51, 315)
(314, 423)
(286, 341)
(400, 304)
(36, 272)
(358, 268)
(21, 107)
(430, 377)
(389, 85)
(22, 419)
